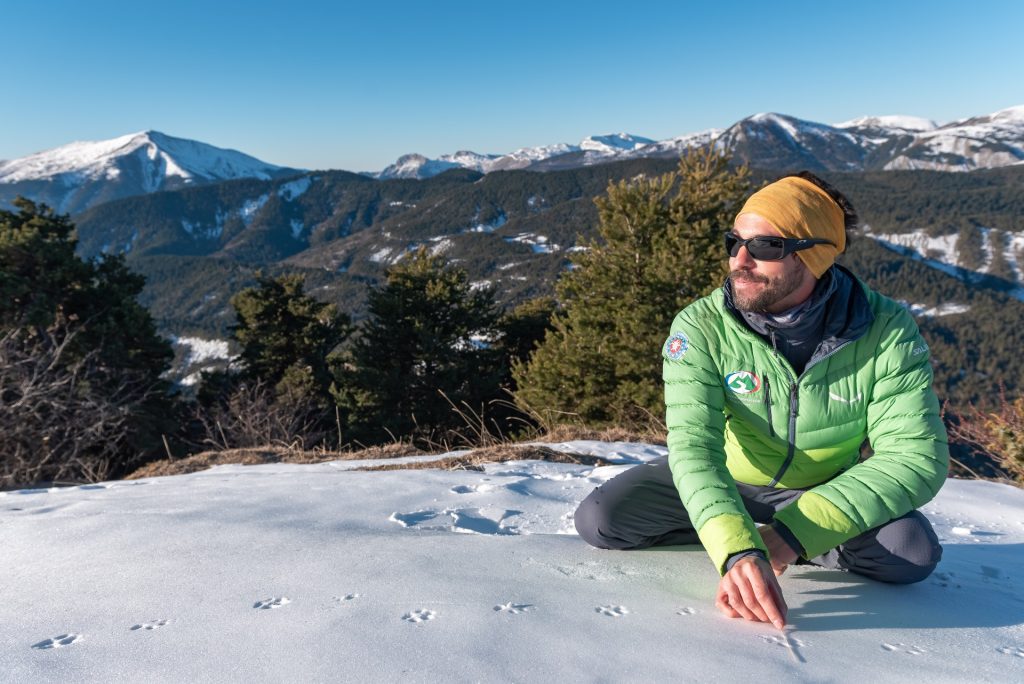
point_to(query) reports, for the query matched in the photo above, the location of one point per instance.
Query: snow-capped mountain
(590, 150)
(778, 141)
(978, 142)
(73, 177)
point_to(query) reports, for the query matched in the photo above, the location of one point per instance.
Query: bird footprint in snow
(421, 615)
(904, 648)
(514, 608)
(269, 603)
(612, 611)
(149, 625)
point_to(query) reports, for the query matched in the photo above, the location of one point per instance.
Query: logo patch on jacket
(676, 346)
(742, 382)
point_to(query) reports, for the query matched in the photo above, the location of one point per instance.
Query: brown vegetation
(471, 460)
(998, 434)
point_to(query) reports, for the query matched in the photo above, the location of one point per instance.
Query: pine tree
(80, 359)
(426, 343)
(287, 336)
(660, 248)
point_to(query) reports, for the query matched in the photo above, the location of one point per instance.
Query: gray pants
(641, 508)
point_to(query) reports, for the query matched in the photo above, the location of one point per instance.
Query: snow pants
(641, 508)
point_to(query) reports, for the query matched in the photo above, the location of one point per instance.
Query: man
(772, 384)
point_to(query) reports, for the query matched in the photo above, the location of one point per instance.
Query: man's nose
(743, 258)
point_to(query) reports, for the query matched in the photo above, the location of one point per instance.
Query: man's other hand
(750, 591)
(781, 554)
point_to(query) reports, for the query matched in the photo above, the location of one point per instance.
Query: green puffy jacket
(736, 411)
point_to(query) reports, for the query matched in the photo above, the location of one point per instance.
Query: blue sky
(355, 85)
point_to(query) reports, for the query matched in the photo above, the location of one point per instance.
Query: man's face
(766, 286)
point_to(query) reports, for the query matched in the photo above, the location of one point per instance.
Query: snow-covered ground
(305, 573)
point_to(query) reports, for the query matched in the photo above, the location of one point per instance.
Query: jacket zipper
(794, 403)
(768, 405)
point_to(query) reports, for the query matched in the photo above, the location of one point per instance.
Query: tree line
(82, 389)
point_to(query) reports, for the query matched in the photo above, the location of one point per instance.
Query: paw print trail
(612, 611)
(57, 642)
(421, 615)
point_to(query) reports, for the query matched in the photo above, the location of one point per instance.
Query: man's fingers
(748, 591)
(737, 603)
(722, 603)
(769, 595)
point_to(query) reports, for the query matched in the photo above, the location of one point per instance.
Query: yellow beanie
(798, 208)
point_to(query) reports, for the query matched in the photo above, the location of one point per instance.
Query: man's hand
(750, 590)
(781, 554)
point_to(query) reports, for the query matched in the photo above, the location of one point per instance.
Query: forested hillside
(517, 231)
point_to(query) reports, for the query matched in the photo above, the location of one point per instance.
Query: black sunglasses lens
(732, 244)
(767, 248)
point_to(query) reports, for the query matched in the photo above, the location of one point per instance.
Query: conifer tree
(660, 248)
(286, 335)
(428, 334)
(81, 397)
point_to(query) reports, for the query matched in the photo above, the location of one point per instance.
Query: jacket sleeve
(911, 453)
(694, 414)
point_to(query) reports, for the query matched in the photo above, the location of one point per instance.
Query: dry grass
(475, 459)
(261, 456)
(569, 433)
(489, 452)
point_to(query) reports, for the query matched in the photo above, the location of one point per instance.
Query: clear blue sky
(353, 85)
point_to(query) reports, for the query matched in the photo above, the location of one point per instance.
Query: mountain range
(80, 175)
(199, 222)
(75, 177)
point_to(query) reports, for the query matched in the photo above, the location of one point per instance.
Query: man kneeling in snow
(772, 383)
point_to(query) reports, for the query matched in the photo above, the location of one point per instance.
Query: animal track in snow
(685, 611)
(472, 489)
(58, 641)
(612, 611)
(1012, 651)
(903, 648)
(785, 641)
(464, 520)
(945, 579)
(346, 597)
(155, 624)
(267, 604)
(421, 615)
(514, 608)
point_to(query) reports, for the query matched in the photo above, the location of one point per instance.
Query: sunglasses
(770, 247)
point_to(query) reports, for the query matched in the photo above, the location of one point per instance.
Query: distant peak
(907, 123)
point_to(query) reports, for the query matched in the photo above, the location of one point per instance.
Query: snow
(945, 309)
(905, 123)
(941, 252)
(381, 254)
(613, 143)
(201, 350)
(251, 207)
(538, 243)
(937, 251)
(297, 227)
(168, 156)
(321, 573)
(294, 189)
(491, 226)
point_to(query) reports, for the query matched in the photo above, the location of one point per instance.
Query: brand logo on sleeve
(676, 346)
(743, 382)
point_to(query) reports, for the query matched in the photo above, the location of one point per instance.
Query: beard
(776, 290)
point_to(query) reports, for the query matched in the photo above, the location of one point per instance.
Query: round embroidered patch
(742, 382)
(676, 346)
